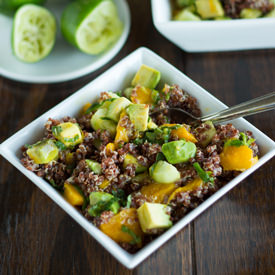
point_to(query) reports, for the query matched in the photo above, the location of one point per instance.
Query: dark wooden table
(235, 236)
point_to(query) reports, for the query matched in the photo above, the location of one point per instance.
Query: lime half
(34, 30)
(92, 26)
(14, 4)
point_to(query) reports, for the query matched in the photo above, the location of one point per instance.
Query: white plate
(115, 79)
(205, 36)
(65, 62)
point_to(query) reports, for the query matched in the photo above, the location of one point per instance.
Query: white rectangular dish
(206, 36)
(114, 79)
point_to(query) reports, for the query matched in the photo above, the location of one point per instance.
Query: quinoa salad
(134, 175)
(196, 10)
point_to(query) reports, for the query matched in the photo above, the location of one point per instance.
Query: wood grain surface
(235, 236)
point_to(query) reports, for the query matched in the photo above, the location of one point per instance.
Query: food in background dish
(134, 176)
(196, 10)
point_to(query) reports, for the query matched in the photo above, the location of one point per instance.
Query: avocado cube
(153, 216)
(271, 14)
(184, 3)
(178, 151)
(116, 107)
(147, 77)
(99, 121)
(250, 13)
(94, 166)
(164, 172)
(186, 15)
(101, 201)
(130, 159)
(206, 133)
(151, 124)
(138, 114)
(68, 133)
(43, 152)
(209, 8)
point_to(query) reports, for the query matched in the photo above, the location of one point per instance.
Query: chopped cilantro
(105, 118)
(56, 130)
(96, 209)
(129, 201)
(138, 141)
(243, 140)
(60, 145)
(54, 185)
(96, 105)
(204, 175)
(160, 156)
(136, 239)
(75, 138)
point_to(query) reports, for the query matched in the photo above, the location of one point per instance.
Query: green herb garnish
(120, 196)
(160, 156)
(243, 140)
(136, 239)
(138, 141)
(60, 145)
(129, 201)
(92, 108)
(105, 118)
(101, 206)
(204, 175)
(56, 130)
(54, 185)
(75, 138)
(158, 135)
(96, 105)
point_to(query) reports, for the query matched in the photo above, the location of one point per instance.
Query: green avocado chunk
(116, 107)
(206, 133)
(209, 8)
(250, 13)
(130, 159)
(178, 151)
(147, 77)
(94, 166)
(101, 201)
(271, 14)
(68, 133)
(43, 151)
(153, 216)
(100, 121)
(164, 172)
(138, 114)
(186, 15)
(185, 3)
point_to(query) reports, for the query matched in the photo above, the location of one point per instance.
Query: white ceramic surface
(205, 36)
(124, 72)
(65, 62)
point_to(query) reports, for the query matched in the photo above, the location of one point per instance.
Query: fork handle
(251, 107)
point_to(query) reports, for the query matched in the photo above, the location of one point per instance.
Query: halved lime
(92, 26)
(34, 30)
(14, 4)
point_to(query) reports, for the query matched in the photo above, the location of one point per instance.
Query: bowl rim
(156, 6)
(127, 259)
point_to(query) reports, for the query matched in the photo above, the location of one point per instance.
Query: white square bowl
(220, 35)
(114, 79)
